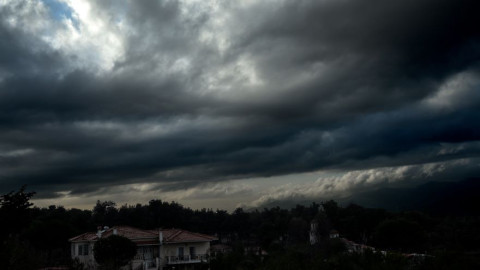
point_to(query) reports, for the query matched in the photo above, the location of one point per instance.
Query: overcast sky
(222, 104)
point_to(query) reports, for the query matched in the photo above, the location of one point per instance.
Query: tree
(400, 234)
(105, 213)
(113, 252)
(14, 207)
(16, 200)
(15, 252)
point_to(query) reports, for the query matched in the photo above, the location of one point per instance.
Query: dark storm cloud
(379, 54)
(342, 84)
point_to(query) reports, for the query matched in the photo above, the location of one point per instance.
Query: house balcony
(150, 264)
(143, 257)
(186, 259)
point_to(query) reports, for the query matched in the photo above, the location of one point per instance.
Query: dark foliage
(15, 251)
(113, 252)
(401, 234)
(14, 208)
(40, 235)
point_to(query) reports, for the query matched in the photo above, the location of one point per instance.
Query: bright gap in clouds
(91, 38)
(60, 10)
(257, 192)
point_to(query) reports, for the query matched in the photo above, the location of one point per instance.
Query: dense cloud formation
(175, 94)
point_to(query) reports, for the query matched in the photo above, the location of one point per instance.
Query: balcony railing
(147, 264)
(143, 256)
(186, 259)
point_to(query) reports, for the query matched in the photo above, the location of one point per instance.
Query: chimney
(115, 232)
(160, 236)
(99, 231)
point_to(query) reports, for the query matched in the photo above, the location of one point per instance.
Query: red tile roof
(130, 233)
(84, 237)
(147, 236)
(178, 235)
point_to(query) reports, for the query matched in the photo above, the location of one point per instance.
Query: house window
(147, 252)
(192, 252)
(180, 252)
(82, 250)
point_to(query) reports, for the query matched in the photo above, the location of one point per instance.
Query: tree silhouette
(113, 252)
(15, 252)
(14, 207)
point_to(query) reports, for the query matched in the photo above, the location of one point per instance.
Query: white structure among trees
(156, 249)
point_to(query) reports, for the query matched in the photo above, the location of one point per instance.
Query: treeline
(33, 237)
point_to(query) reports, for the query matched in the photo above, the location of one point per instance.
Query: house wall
(147, 254)
(167, 250)
(171, 249)
(86, 258)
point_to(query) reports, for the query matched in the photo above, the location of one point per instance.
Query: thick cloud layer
(178, 93)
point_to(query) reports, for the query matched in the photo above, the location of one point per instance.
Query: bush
(114, 252)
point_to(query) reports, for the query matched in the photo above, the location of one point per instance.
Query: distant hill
(437, 198)
(440, 198)
(284, 204)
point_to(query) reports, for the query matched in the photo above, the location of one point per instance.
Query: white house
(313, 232)
(334, 234)
(156, 249)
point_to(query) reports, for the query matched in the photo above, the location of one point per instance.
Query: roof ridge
(133, 228)
(82, 235)
(177, 233)
(77, 236)
(202, 235)
(181, 233)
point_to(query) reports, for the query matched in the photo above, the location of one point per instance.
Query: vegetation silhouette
(269, 238)
(114, 251)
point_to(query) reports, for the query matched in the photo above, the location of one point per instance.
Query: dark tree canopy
(114, 252)
(16, 200)
(35, 238)
(14, 207)
(15, 252)
(400, 234)
(104, 212)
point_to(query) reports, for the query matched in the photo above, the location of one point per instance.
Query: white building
(156, 249)
(313, 232)
(334, 234)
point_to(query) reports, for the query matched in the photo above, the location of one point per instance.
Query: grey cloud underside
(343, 86)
